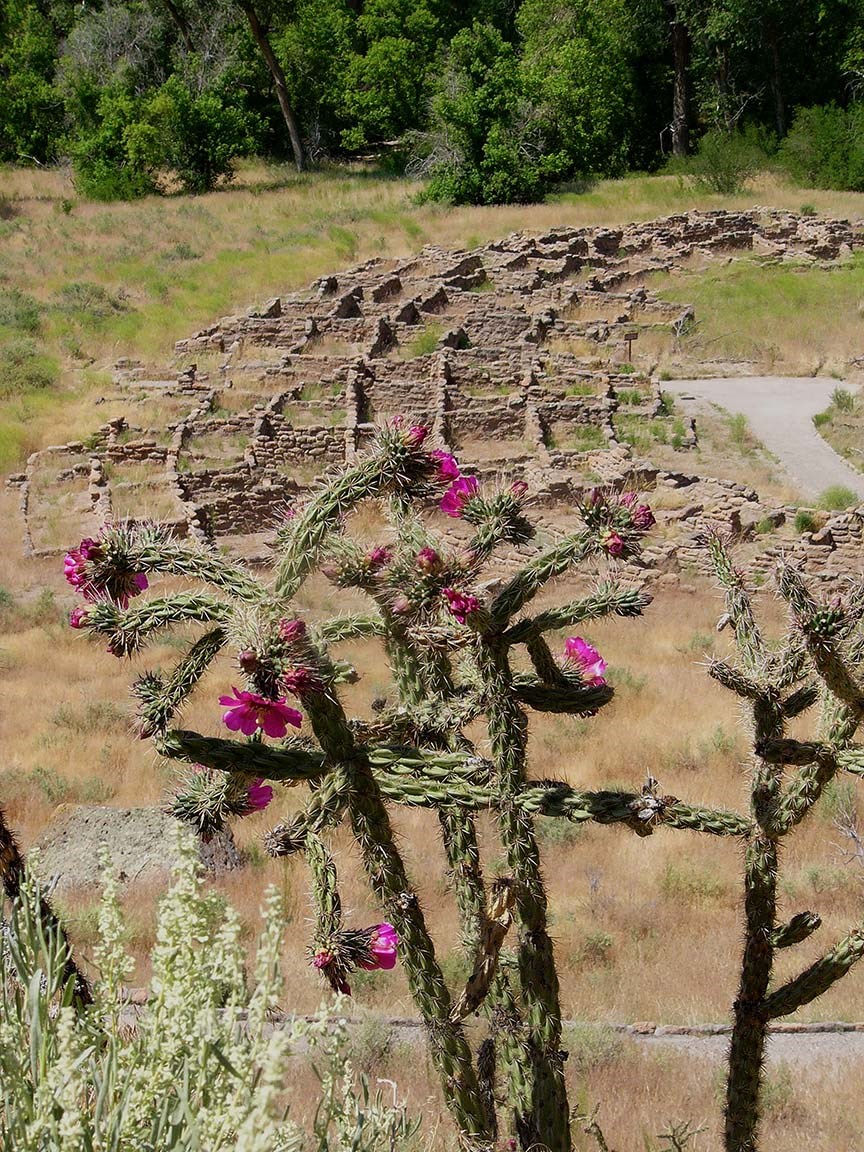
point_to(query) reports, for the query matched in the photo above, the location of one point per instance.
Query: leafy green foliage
(825, 148)
(725, 161)
(487, 143)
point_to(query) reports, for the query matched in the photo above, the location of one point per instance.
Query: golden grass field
(645, 929)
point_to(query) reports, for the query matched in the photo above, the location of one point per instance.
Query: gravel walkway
(780, 411)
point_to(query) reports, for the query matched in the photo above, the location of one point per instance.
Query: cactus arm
(11, 875)
(387, 876)
(328, 906)
(817, 978)
(608, 600)
(324, 809)
(394, 467)
(527, 583)
(159, 700)
(544, 1100)
(748, 638)
(152, 551)
(800, 700)
(801, 926)
(128, 628)
(252, 756)
(568, 696)
(341, 628)
(735, 680)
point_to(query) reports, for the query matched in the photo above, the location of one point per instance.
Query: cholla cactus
(819, 662)
(450, 642)
(450, 647)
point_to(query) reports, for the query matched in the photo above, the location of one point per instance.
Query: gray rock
(142, 843)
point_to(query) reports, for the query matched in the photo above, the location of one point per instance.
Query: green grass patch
(838, 498)
(751, 310)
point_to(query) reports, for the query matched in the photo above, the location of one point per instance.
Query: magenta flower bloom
(78, 617)
(612, 542)
(627, 499)
(461, 604)
(379, 556)
(291, 630)
(414, 436)
(119, 586)
(518, 489)
(591, 664)
(448, 469)
(458, 494)
(643, 518)
(428, 560)
(75, 560)
(248, 660)
(247, 711)
(382, 948)
(400, 605)
(258, 796)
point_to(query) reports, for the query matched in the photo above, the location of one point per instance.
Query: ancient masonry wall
(516, 354)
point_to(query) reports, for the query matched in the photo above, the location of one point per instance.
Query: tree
(29, 103)
(487, 142)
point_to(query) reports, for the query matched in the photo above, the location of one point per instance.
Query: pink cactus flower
(448, 469)
(324, 962)
(121, 587)
(75, 560)
(612, 542)
(643, 518)
(518, 489)
(247, 712)
(591, 663)
(416, 434)
(382, 947)
(301, 680)
(78, 617)
(248, 660)
(291, 630)
(461, 604)
(400, 606)
(379, 556)
(258, 796)
(428, 560)
(627, 499)
(289, 513)
(458, 494)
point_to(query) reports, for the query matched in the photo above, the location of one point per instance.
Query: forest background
(494, 101)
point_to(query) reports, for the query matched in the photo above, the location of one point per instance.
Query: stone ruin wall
(506, 352)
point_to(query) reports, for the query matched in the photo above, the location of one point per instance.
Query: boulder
(142, 843)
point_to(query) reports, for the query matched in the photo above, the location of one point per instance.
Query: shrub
(201, 1069)
(838, 498)
(825, 148)
(805, 521)
(843, 400)
(19, 311)
(23, 368)
(725, 161)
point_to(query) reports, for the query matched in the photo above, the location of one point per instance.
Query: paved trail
(780, 411)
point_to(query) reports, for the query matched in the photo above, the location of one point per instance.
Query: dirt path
(780, 411)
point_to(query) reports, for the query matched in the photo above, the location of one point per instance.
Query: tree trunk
(259, 32)
(680, 91)
(776, 81)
